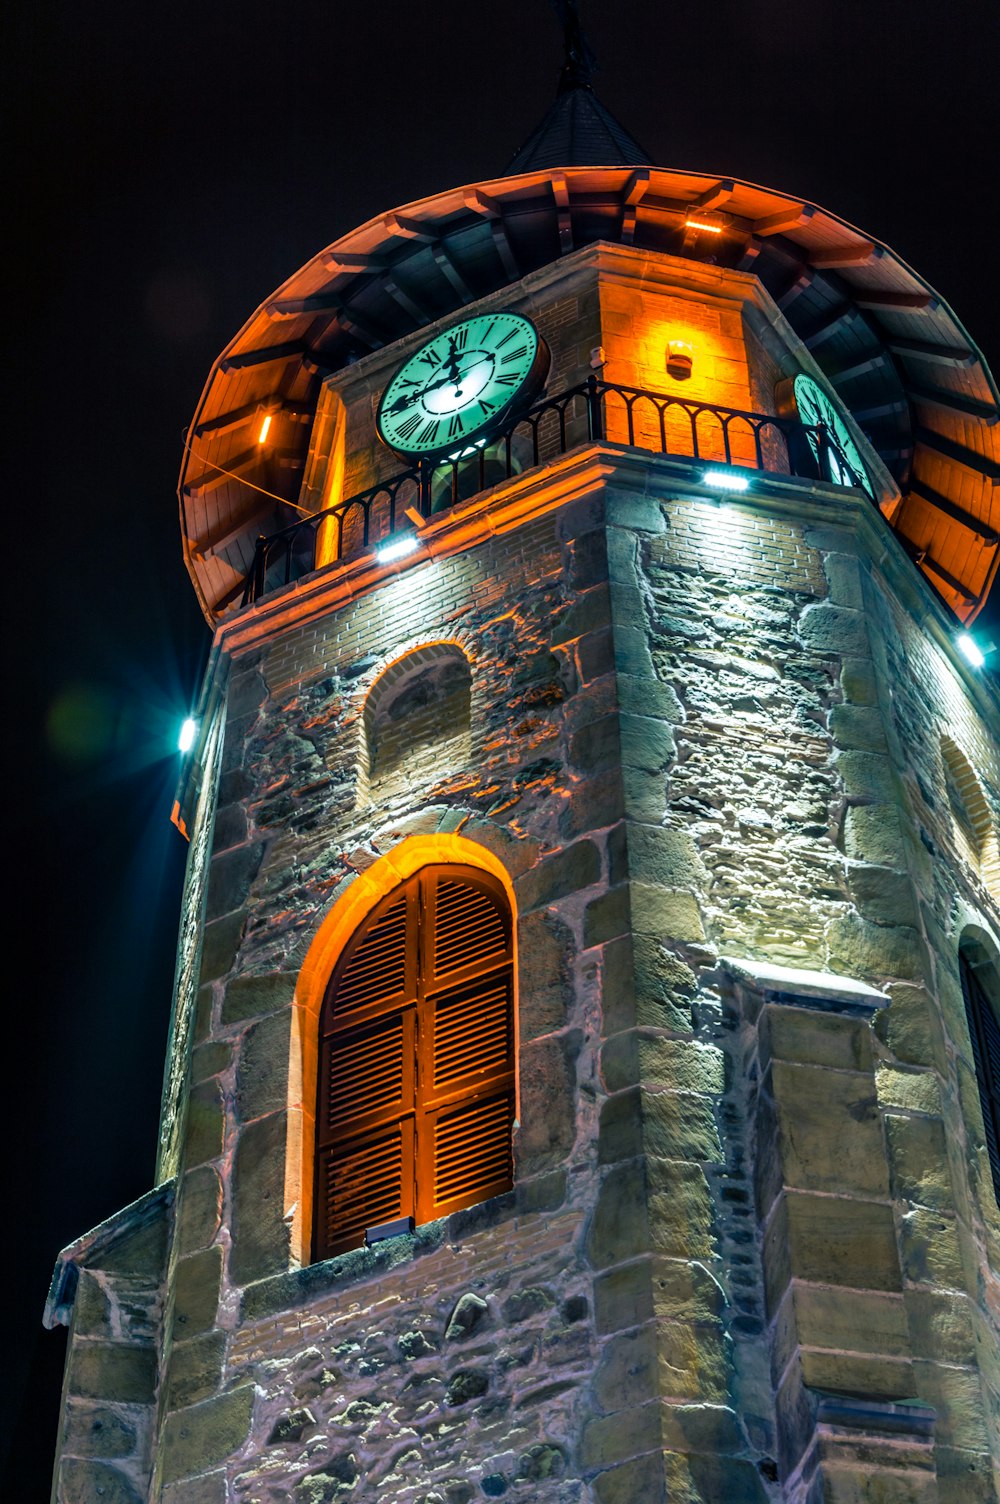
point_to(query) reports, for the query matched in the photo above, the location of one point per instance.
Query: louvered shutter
(416, 1076)
(467, 1056)
(984, 1031)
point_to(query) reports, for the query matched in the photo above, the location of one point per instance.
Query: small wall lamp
(680, 359)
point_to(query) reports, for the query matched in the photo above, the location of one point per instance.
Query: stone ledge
(896, 1417)
(92, 1247)
(823, 990)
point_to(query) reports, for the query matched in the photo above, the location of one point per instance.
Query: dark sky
(173, 164)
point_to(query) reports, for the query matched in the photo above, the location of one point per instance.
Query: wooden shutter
(984, 1032)
(416, 1080)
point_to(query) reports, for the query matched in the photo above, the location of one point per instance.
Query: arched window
(981, 990)
(417, 722)
(416, 1068)
(973, 825)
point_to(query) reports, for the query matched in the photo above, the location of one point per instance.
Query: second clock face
(844, 462)
(460, 386)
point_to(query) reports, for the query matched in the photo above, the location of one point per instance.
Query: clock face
(843, 463)
(460, 386)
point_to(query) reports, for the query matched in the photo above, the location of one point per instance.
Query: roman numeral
(431, 356)
(455, 426)
(510, 335)
(461, 336)
(426, 434)
(408, 426)
(488, 331)
(517, 354)
(506, 379)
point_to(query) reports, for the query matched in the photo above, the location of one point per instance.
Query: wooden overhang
(891, 347)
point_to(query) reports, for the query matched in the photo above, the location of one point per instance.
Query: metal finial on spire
(580, 64)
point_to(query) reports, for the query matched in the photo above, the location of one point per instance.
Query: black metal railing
(594, 411)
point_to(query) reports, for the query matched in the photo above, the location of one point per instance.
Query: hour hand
(403, 402)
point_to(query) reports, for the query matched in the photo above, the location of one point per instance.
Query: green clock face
(813, 406)
(461, 385)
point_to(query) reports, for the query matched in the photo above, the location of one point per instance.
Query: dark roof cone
(577, 131)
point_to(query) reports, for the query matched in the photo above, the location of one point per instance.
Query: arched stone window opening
(416, 1076)
(975, 831)
(977, 963)
(417, 723)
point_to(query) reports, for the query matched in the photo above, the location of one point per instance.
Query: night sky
(174, 164)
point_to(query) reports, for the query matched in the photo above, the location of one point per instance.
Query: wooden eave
(897, 355)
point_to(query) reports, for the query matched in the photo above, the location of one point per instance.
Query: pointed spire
(577, 131)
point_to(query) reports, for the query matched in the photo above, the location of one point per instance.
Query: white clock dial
(461, 385)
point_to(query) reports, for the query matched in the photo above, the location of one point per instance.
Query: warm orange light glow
(680, 359)
(703, 224)
(265, 425)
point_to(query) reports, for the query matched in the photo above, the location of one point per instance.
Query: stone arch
(972, 821)
(340, 923)
(416, 723)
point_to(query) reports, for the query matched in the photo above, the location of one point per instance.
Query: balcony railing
(594, 411)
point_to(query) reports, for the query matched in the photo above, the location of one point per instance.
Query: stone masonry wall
(679, 744)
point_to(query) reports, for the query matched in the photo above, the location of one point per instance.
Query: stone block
(664, 986)
(940, 1325)
(612, 1438)
(844, 578)
(199, 1209)
(197, 1282)
(884, 896)
(260, 1234)
(646, 696)
(668, 858)
(918, 1153)
(645, 742)
(640, 1055)
(910, 1027)
(544, 948)
(874, 952)
(91, 1308)
(857, 682)
(872, 834)
(96, 1431)
(221, 941)
(858, 728)
(209, 1059)
(620, 1226)
(829, 1130)
(830, 1240)
(816, 1316)
(644, 794)
(916, 1091)
(703, 1478)
(669, 1125)
(85, 1482)
(607, 916)
(871, 1377)
(930, 1250)
(199, 1436)
(868, 778)
(112, 1371)
(575, 867)
(680, 1212)
(596, 747)
(589, 612)
(827, 628)
(196, 1369)
(665, 914)
(703, 1428)
(957, 1396)
(633, 658)
(964, 1477)
(210, 1488)
(548, 1100)
(249, 997)
(204, 1124)
(628, 1371)
(809, 1037)
(231, 877)
(262, 1067)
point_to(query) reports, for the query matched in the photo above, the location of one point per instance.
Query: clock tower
(584, 1078)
